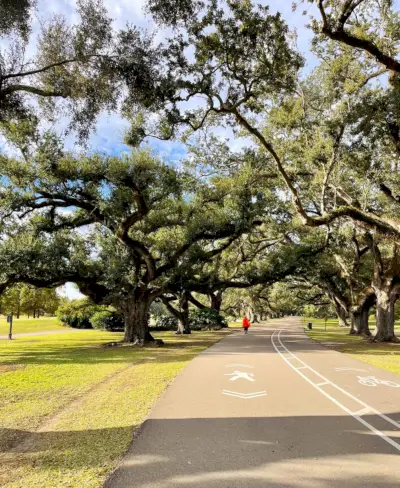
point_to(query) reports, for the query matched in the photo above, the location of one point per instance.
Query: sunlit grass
(24, 325)
(235, 325)
(386, 356)
(69, 405)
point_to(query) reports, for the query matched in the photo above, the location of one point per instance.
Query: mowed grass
(24, 325)
(235, 325)
(386, 356)
(69, 406)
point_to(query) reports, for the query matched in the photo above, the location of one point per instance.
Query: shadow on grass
(85, 352)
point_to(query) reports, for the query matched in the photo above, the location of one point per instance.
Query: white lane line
(336, 402)
(323, 383)
(363, 411)
(303, 367)
(365, 405)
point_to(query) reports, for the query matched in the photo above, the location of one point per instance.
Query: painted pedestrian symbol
(236, 375)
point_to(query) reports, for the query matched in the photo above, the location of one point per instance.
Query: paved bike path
(241, 415)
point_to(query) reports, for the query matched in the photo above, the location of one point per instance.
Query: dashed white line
(358, 414)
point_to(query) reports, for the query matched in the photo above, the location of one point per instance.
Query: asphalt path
(270, 409)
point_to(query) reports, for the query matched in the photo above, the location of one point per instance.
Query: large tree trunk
(250, 314)
(383, 284)
(183, 316)
(136, 318)
(385, 301)
(183, 325)
(341, 314)
(359, 314)
(359, 322)
(216, 301)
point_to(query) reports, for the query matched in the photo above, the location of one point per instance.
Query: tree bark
(386, 291)
(359, 314)
(385, 301)
(195, 302)
(359, 322)
(341, 314)
(136, 318)
(216, 301)
(183, 316)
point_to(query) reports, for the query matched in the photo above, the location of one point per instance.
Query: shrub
(77, 313)
(206, 318)
(166, 322)
(107, 320)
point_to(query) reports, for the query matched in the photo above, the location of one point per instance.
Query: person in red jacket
(246, 324)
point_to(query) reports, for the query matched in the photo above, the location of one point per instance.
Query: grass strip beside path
(69, 406)
(382, 355)
(24, 325)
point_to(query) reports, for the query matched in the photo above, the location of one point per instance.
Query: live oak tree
(235, 80)
(343, 274)
(159, 216)
(385, 285)
(370, 26)
(66, 71)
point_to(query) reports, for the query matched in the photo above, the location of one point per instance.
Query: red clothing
(246, 323)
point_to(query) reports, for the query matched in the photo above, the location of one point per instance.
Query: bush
(165, 323)
(206, 318)
(77, 313)
(107, 320)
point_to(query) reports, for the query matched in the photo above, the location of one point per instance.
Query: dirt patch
(5, 368)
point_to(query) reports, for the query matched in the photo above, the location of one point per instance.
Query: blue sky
(110, 128)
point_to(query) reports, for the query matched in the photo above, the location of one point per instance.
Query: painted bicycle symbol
(373, 381)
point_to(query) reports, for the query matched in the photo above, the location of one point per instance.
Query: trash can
(309, 325)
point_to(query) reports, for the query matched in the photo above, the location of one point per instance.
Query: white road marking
(245, 396)
(374, 381)
(237, 375)
(323, 383)
(302, 367)
(356, 414)
(352, 369)
(363, 411)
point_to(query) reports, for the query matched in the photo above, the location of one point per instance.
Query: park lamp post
(10, 321)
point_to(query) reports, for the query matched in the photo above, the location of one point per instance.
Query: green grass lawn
(235, 325)
(386, 356)
(25, 325)
(69, 406)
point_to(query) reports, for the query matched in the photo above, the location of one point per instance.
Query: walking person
(246, 324)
